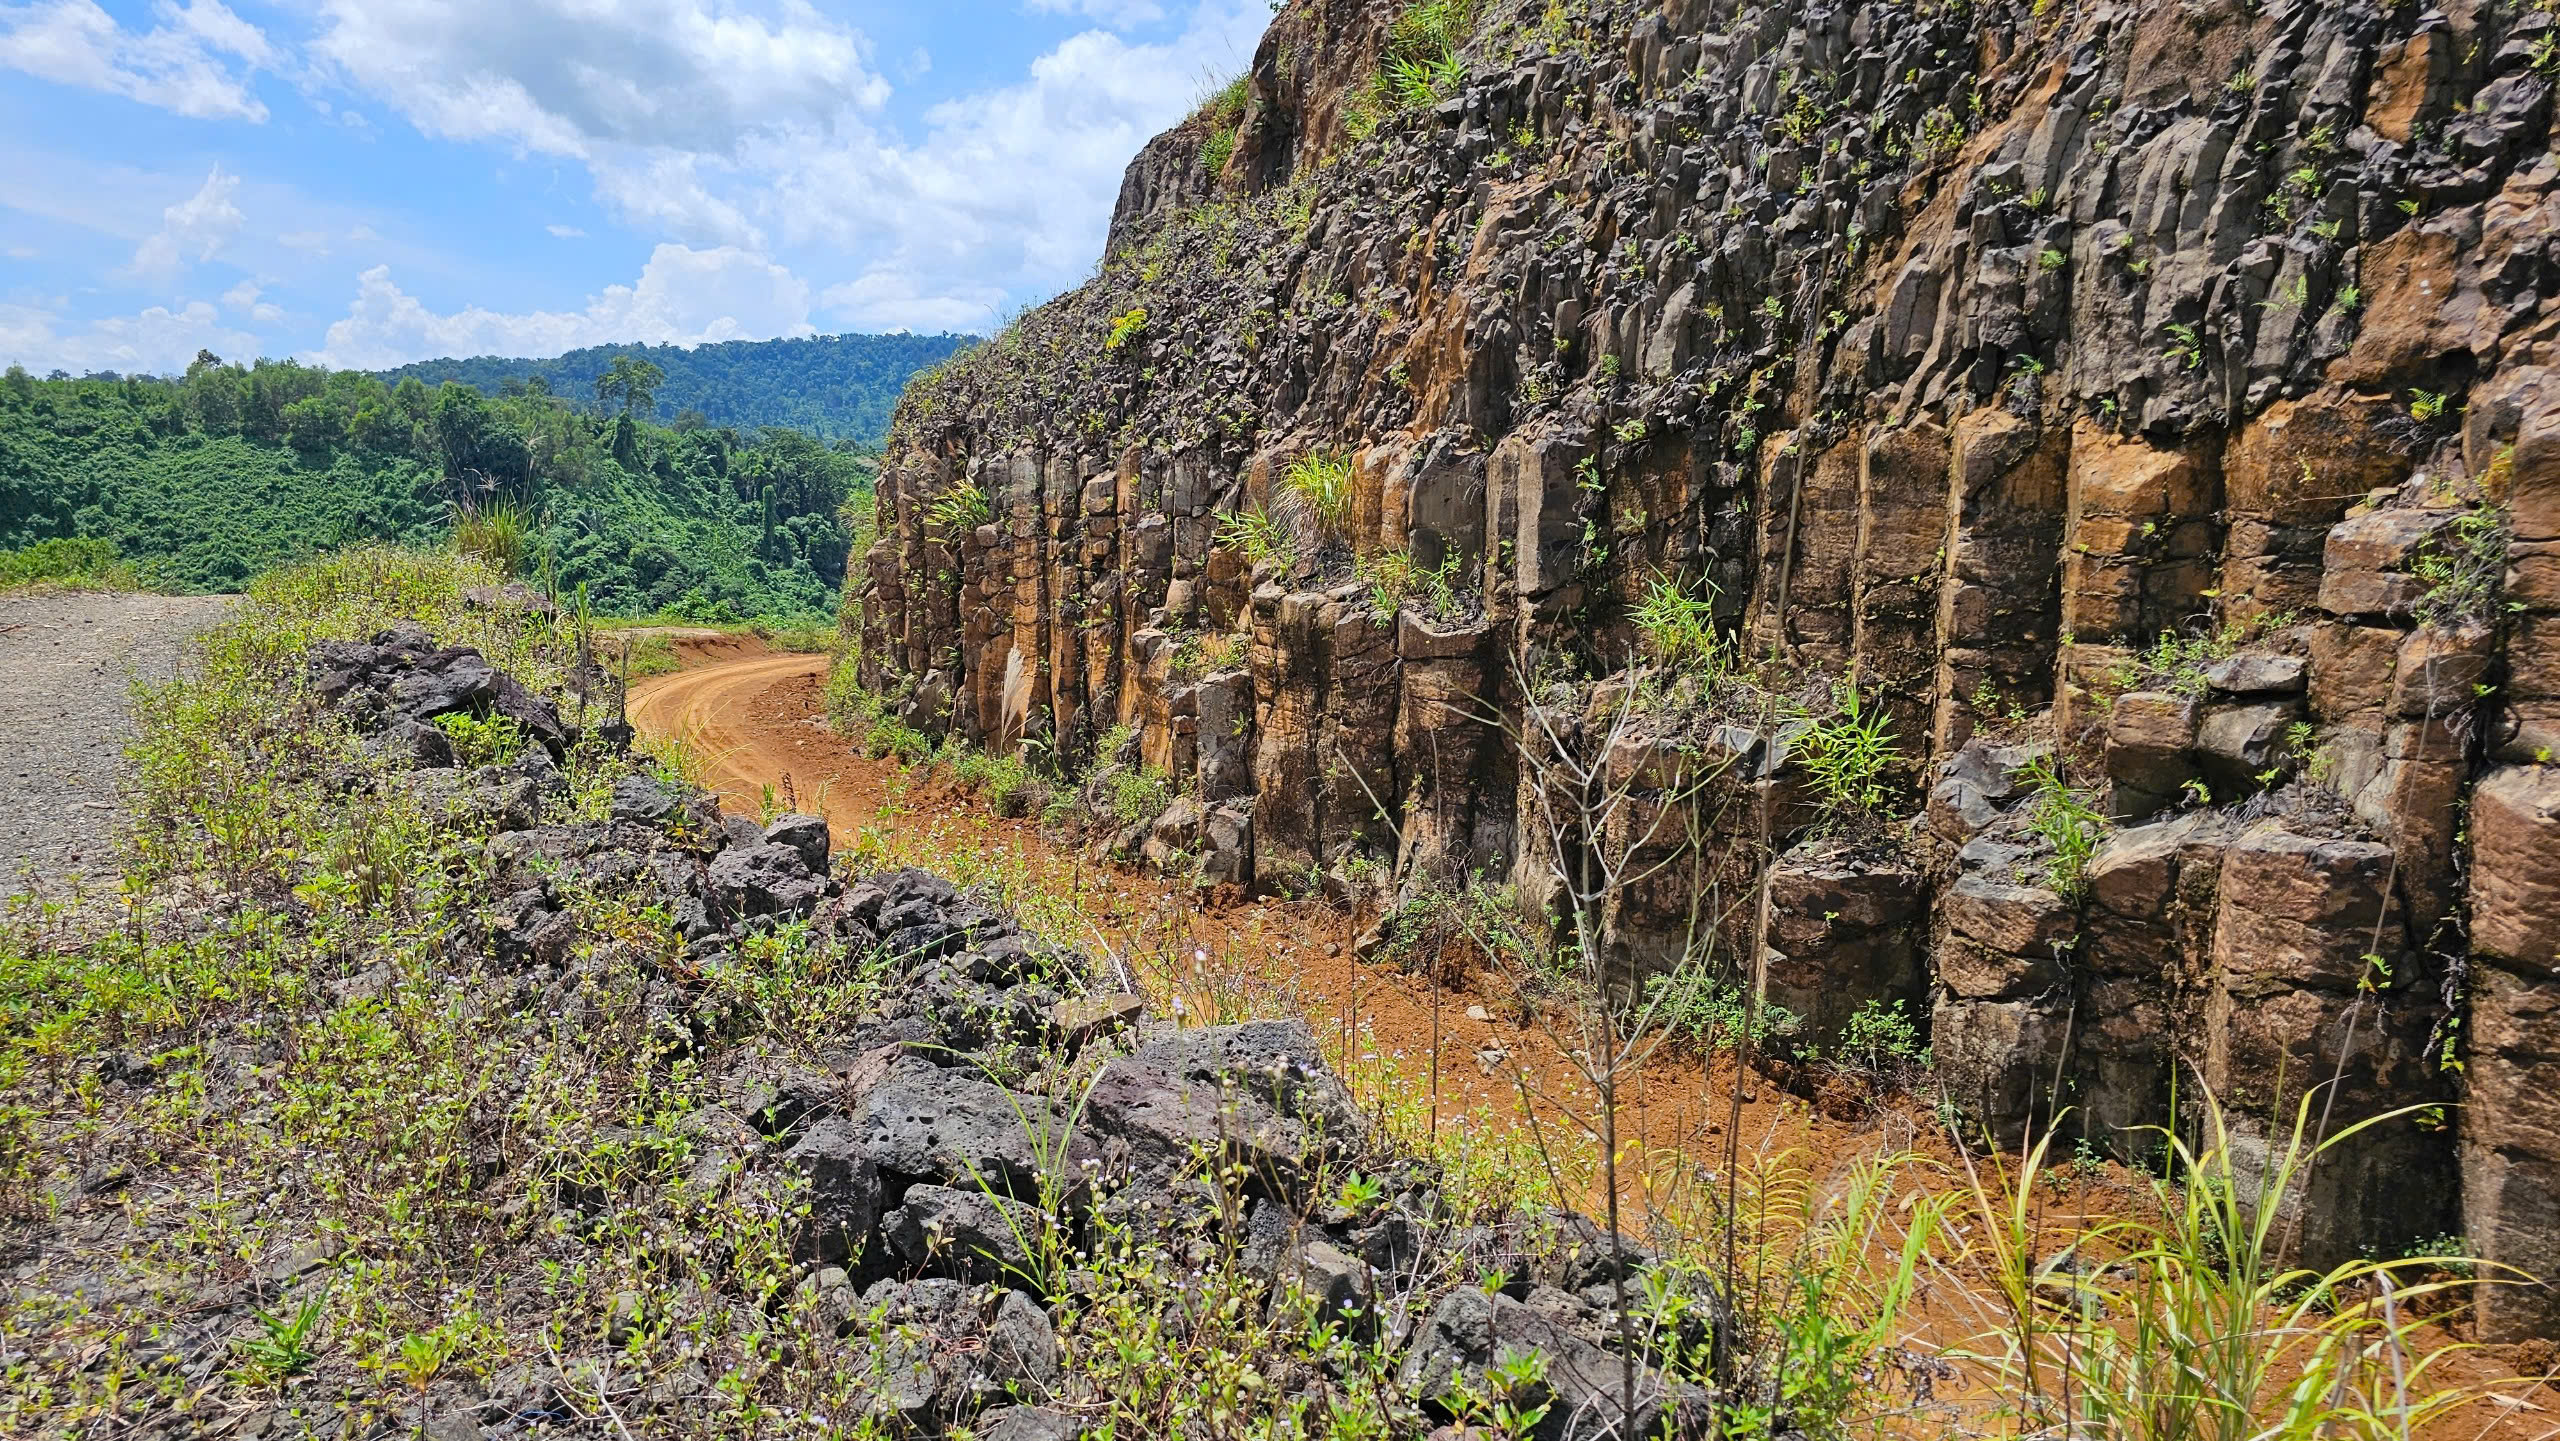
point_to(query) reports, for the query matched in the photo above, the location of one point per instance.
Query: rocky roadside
(973, 1153)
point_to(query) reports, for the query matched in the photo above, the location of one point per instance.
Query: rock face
(1965, 351)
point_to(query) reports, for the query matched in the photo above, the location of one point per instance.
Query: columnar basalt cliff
(1956, 355)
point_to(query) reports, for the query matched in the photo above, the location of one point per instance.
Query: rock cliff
(2157, 397)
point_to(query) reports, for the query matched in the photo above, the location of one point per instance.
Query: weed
(500, 533)
(1322, 485)
(1125, 327)
(1396, 580)
(1881, 1044)
(1848, 752)
(958, 511)
(2068, 825)
(283, 1346)
(1708, 1013)
(2464, 568)
(1254, 533)
(1677, 627)
(2186, 346)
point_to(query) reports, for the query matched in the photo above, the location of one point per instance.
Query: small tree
(632, 382)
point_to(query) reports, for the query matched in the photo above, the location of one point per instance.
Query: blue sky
(368, 182)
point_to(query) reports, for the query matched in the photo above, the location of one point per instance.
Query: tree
(633, 382)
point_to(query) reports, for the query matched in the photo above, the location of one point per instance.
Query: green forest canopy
(205, 480)
(835, 387)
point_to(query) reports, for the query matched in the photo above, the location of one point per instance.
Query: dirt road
(71, 658)
(755, 719)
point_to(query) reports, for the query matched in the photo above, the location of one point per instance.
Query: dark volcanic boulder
(958, 1131)
(764, 880)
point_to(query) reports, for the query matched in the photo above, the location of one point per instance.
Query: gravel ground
(67, 661)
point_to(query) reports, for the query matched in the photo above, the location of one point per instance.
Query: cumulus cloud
(159, 340)
(1119, 14)
(565, 77)
(1011, 189)
(193, 230)
(197, 61)
(683, 297)
(721, 127)
(565, 232)
(245, 296)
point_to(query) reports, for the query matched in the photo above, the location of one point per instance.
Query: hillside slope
(230, 471)
(835, 387)
(2159, 389)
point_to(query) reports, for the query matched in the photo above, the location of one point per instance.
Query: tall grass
(1321, 484)
(501, 533)
(2186, 1323)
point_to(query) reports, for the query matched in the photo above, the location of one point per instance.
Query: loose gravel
(68, 660)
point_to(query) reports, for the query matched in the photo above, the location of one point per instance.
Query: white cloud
(565, 77)
(245, 296)
(750, 126)
(888, 299)
(157, 341)
(179, 65)
(193, 230)
(22, 252)
(1010, 192)
(669, 191)
(1118, 14)
(566, 232)
(683, 297)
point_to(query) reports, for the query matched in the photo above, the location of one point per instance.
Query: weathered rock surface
(1965, 351)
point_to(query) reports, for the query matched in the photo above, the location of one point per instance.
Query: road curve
(732, 713)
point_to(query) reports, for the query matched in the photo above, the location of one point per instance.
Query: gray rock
(968, 1234)
(764, 879)
(2257, 673)
(958, 1131)
(1027, 1423)
(1583, 1389)
(843, 1189)
(1022, 1348)
(803, 833)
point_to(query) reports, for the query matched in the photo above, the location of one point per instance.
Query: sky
(363, 183)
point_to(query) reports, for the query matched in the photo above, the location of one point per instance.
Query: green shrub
(1254, 533)
(2464, 568)
(77, 562)
(1699, 1008)
(501, 533)
(1138, 793)
(1395, 579)
(1882, 1044)
(958, 511)
(1125, 327)
(492, 741)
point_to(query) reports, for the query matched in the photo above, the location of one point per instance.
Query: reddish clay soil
(756, 719)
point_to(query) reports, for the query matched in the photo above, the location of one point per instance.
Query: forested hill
(835, 387)
(206, 480)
